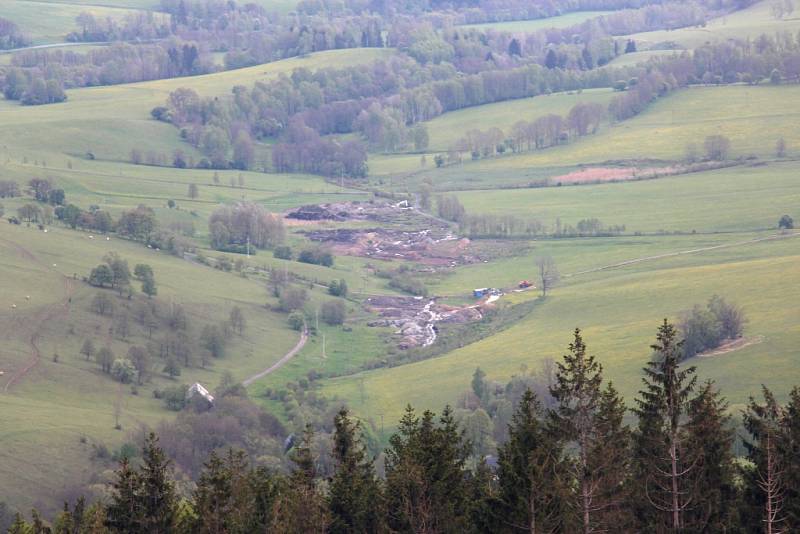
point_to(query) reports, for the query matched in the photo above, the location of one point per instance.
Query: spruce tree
(577, 394)
(765, 495)
(301, 508)
(713, 476)
(789, 449)
(662, 461)
(212, 496)
(158, 499)
(354, 498)
(532, 493)
(609, 464)
(426, 486)
(124, 513)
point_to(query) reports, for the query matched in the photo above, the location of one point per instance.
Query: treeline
(504, 226)
(574, 465)
(139, 25)
(108, 65)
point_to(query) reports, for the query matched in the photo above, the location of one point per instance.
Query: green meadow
(747, 23)
(529, 26)
(46, 22)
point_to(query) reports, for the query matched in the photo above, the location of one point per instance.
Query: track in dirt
(41, 317)
(277, 365)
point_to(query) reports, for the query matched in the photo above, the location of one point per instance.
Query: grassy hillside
(747, 23)
(59, 19)
(733, 199)
(445, 130)
(528, 26)
(752, 117)
(58, 403)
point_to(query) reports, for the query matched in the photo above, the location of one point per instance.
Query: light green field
(112, 120)
(619, 312)
(747, 23)
(733, 199)
(446, 130)
(528, 26)
(634, 58)
(51, 22)
(51, 407)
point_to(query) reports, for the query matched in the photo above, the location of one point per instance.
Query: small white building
(198, 389)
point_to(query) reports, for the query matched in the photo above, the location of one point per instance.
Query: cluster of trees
(574, 465)
(233, 228)
(706, 328)
(549, 130)
(182, 344)
(10, 36)
(32, 88)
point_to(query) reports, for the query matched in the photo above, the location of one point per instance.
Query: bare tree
(548, 273)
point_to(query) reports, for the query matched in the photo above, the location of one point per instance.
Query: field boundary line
(684, 253)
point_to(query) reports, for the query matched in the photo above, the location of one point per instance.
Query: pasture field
(736, 199)
(634, 58)
(529, 26)
(50, 22)
(747, 23)
(619, 313)
(444, 131)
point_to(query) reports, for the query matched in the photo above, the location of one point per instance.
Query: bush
(316, 256)
(333, 312)
(175, 397)
(123, 370)
(338, 288)
(283, 252)
(296, 321)
(408, 284)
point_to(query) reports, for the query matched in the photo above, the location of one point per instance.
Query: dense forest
(567, 461)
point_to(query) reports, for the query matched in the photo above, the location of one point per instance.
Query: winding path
(45, 315)
(277, 365)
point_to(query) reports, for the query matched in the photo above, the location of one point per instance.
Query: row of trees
(573, 467)
(31, 88)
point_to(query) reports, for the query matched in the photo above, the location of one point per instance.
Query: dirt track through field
(277, 365)
(684, 253)
(41, 317)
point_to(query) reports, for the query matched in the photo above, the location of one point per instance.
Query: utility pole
(248, 246)
(324, 356)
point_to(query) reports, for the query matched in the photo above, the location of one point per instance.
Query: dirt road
(277, 365)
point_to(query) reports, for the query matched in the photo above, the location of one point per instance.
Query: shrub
(123, 370)
(316, 256)
(283, 252)
(296, 321)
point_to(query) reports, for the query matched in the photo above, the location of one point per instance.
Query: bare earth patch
(593, 175)
(731, 346)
